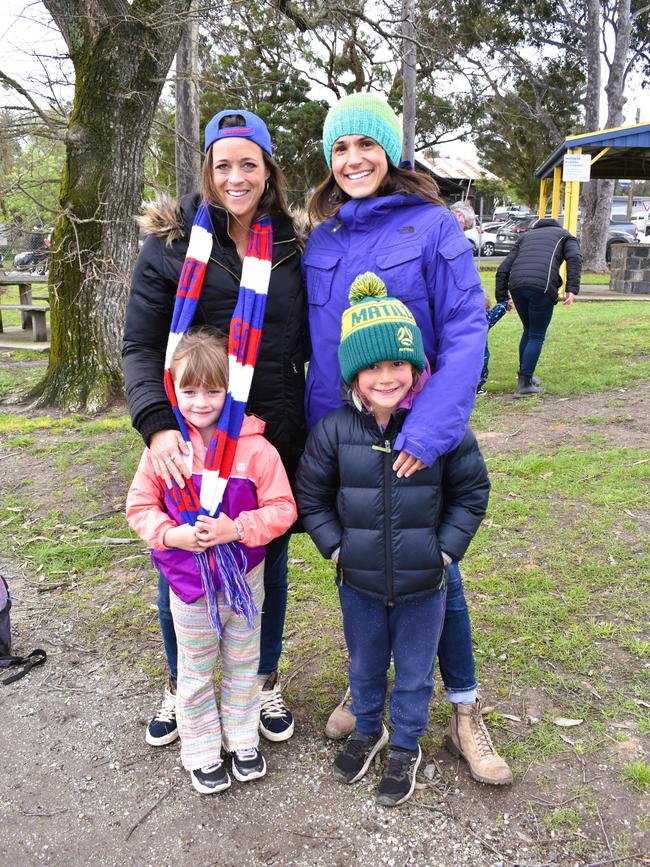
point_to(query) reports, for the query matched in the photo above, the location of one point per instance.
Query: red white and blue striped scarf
(222, 567)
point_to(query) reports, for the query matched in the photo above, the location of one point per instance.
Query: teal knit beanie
(377, 328)
(363, 114)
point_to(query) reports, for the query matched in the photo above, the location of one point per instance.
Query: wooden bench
(36, 318)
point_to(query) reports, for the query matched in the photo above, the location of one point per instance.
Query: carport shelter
(623, 152)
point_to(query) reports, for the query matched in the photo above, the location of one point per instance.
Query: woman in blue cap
(375, 216)
(240, 182)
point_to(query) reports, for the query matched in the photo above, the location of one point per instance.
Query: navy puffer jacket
(391, 531)
(535, 262)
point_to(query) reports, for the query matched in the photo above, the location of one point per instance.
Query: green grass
(556, 577)
(637, 774)
(588, 348)
(489, 267)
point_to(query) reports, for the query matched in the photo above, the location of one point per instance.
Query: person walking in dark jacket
(531, 273)
(240, 182)
(391, 536)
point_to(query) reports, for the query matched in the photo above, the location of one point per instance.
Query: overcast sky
(28, 40)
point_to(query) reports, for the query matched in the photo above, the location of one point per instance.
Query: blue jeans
(455, 654)
(409, 632)
(273, 613)
(535, 309)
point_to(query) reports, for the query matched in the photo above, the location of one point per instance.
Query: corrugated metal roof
(628, 157)
(456, 168)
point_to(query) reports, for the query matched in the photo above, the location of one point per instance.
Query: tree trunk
(188, 153)
(597, 195)
(408, 79)
(121, 54)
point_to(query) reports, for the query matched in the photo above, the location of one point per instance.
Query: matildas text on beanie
(377, 328)
(363, 114)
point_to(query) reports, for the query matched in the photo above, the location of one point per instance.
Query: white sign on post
(576, 167)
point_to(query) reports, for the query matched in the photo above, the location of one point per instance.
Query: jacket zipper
(388, 549)
(232, 273)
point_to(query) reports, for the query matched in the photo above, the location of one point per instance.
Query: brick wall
(630, 269)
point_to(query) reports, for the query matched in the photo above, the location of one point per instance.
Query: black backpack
(36, 657)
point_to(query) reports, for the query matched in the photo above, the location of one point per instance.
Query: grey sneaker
(398, 780)
(210, 779)
(354, 759)
(248, 764)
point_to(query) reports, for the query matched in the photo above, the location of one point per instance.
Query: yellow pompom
(367, 285)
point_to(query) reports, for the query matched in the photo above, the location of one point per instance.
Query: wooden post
(408, 77)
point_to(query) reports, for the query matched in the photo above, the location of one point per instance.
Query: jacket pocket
(401, 270)
(457, 253)
(319, 271)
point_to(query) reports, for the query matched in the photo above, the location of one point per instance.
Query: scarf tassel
(223, 568)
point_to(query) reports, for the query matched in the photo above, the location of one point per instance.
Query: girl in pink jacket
(257, 507)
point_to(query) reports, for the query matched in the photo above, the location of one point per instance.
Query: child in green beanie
(390, 535)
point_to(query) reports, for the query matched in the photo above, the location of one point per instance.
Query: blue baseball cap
(254, 129)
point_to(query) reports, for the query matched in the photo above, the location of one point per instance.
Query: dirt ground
(79, 785)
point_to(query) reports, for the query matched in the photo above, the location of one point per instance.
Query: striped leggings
(201, 731)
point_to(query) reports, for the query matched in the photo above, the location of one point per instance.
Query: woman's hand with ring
(166, 448)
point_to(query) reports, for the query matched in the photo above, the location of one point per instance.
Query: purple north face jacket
(423, 257)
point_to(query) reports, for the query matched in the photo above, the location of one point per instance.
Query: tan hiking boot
(342, 721)
(468, 737)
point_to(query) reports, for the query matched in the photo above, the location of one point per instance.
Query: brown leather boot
(342, 721)
(468, 737)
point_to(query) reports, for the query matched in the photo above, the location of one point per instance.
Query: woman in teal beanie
(373, 215)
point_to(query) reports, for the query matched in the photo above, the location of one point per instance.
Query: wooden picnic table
(31, 316)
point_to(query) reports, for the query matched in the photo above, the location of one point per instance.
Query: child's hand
(183, 537)
(215, 531)
(508, 305)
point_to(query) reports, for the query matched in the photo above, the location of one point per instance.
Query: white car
(641, 220)
(473, 235)
(486, 240)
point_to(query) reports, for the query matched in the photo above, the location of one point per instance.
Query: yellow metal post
(555, 199)
(571, 199)
(543, 196)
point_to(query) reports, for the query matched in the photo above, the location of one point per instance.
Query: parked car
(619, 233)
(641, 221)
(511, 232)
(473, 235)
(507, 212)
(488, 241)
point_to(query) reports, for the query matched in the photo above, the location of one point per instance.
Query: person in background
(493, 314)
(530, 273)
(465, 215)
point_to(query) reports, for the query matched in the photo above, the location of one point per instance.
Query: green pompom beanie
(363, 114)
(377, 328)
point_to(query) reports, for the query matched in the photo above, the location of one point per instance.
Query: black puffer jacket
(277, 393)
(535, 262)
(390, 531)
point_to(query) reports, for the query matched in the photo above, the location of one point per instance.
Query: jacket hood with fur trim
(166, 218)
